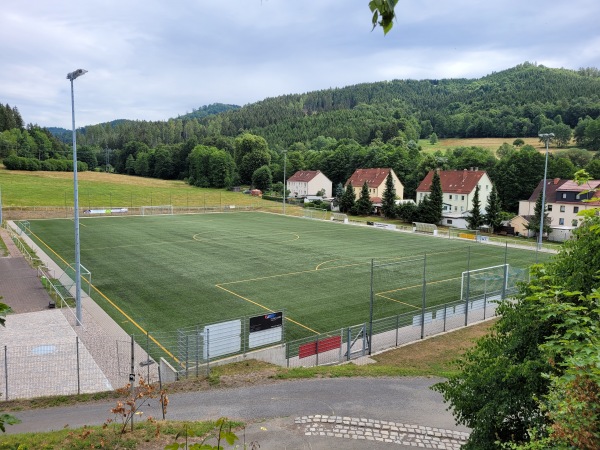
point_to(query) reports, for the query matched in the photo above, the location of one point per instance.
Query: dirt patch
(438, 352)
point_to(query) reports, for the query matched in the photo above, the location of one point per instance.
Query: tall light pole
(71, 76)
(546, 137)
(284, 180)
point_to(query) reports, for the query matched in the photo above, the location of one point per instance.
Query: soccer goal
(156, 210)
(339, 217)
(489, 283)
(314, 213)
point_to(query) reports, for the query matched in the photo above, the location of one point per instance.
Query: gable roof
(552, 185)
(555, 185)
(453, 181)
(373, 177)
(304, 175)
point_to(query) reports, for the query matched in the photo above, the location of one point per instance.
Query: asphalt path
(272, 409)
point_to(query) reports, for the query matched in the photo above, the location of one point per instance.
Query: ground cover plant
(172, 271)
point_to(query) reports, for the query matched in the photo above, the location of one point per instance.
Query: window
(549, 207)
(575, 209)
(456, 208)
(561, 221)
(462, 208)
(462, 197)
(562, 209)
(487, 187)
(450, 197)
(574, 222)
(450, 221)
(564, 195)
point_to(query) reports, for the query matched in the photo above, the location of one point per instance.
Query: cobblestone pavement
(382, 431)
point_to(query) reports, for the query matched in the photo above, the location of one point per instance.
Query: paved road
(276, 410)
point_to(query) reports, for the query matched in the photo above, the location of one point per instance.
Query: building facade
(564, 200)
(375, 179)
(458, 188)
(308, 182)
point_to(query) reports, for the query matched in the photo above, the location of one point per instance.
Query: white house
(458, 188)
(564, 200)
(308, 182)
(375, 179)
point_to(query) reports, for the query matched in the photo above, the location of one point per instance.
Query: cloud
(152, 60)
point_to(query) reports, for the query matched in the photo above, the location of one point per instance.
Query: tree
(433, 139)
(562, 133)
(262, 178)
(364, 205)
(475, 219)
(536, 377)
(348, 199)
(251, 162)
(493, 210)
(534, 223)
(388, 202)
(436, 197)
(518, 142)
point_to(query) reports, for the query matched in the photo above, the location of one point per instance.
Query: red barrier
(312, 348)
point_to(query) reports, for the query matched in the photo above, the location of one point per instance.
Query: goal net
(489, 283)
(314, 213)
(155, 210)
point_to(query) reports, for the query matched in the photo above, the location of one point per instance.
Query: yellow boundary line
(112, 303)
(265, 308)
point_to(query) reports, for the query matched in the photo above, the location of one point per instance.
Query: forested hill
(517, 102)
(512, 103)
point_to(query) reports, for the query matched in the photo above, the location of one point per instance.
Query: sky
(157, 59)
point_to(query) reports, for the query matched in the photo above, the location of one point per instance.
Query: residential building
(375, 179)
(309, 182)
(564, 200)
(458, 188)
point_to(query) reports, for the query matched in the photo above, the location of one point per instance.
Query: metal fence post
(148, 355)
(5, 372)
(207, 351)
(423, 299)
(132, 374)
(397, 328)
(187, 355)
(317, 348)
(348, 343)
(341, 340)
(445, 314)
(197, 351)
(78, 367)
(468, 287)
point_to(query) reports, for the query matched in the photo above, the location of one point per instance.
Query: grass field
(108, 190)
(167, 272)
(487, 143)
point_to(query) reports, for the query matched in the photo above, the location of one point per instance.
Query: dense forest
(339, 130)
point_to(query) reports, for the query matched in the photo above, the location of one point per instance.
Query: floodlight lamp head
(71, 76)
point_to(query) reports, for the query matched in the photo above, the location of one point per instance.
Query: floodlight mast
(546, 137)
(71, 77)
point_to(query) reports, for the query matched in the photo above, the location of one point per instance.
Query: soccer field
(160, 273)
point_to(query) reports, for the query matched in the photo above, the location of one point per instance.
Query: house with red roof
(375, 179)
(564, 200)
(458, 188)
(308, 182)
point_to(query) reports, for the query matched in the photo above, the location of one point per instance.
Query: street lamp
(546, 137)
(71, 76)
(284, 180)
